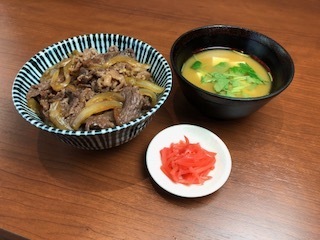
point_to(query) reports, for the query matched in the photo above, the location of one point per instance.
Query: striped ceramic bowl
(31, 72)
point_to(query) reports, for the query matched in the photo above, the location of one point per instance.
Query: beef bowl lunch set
(99, 91)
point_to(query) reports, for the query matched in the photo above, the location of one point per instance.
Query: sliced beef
(129, 52)
(132, 107)
(77, 101)
(88, 77)
(101, 121)
(144, 75)
(85, 75)
(38, 89)
(111, 79)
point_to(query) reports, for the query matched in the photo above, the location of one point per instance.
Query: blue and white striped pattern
(31, 72)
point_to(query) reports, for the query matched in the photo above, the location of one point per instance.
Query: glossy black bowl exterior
(250, 42)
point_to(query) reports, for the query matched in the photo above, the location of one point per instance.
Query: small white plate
(196, 134)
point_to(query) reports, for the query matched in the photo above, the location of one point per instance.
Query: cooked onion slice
(34, 105)
(149, 93)
(56, 116)
(105, 96)
(56, 82)
(127, 59)
(149, 85)
(94, 109)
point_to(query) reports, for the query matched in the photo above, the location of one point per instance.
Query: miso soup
(228, 73)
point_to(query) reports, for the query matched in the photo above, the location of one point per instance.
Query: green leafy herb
(244, 69)
(221, 66)
(196, 65)
(219, 80)
(228, 80)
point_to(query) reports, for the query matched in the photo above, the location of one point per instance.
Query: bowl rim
(33, 119)
(233, 27)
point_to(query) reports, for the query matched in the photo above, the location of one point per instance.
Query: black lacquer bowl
(250, 42)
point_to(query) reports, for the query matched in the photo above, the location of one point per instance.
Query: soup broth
(228, 73)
